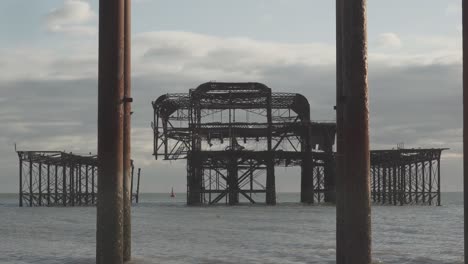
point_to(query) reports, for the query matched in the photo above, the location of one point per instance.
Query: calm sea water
(167, 231)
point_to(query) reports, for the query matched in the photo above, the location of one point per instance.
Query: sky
(48, 72)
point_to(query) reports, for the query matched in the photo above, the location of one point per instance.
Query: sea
(165, 230)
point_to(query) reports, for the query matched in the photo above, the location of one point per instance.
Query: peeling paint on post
(356, 225)
(110, 132)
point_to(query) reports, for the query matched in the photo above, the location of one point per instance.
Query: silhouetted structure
(55, 178)
(241, 131)
(234, 134)
(406, 176)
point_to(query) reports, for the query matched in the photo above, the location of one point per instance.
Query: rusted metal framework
(56, 178)
(406, 176)
(234, 134)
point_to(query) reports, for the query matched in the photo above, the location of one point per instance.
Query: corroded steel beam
(110, 132)
(355, 188)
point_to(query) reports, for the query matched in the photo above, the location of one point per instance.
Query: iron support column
(21, 180)
(356, 187)
(438, 181)
(30, 182)
(138, 187)
(340, 249)
(465, 123)
(110, 132)
(127, 193)
(270, 162)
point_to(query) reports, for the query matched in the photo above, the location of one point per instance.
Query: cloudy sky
(48, 71)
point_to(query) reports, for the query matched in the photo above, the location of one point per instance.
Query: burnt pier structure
(406, 176)
(234, 134)
(56, 178)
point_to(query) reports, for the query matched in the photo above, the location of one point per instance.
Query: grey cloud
(419, 105)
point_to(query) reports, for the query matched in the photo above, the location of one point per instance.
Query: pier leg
(307, 179)
(430, 197)
(194, 180)
(423, 167)
(138, 186)
(110, 133)
(30, 183)
(465, 123)
(233, 182)
(93, 185)
(48, 184)
(131, 183)
(87, 185)
(56, 185)
(20, 180)
(356, 188)
(438, 181)
(127, 193)
(64, 185)
(329, 179)
(410, 183)
(40, 184)
(72, 184)
(270, 181)
(340, 248)
(307, 169)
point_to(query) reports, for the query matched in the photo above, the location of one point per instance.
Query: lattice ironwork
(55, 178)
(406, 176)
(234, 134)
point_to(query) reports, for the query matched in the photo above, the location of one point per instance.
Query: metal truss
(406, 176)
(55, 178)
(234, 134)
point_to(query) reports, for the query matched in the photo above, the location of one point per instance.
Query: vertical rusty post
(110, 132)
(356, 156)
(138, 186)
(465, 123)
(131, 182)
(340, 254)
(20, 179)
(127, 194)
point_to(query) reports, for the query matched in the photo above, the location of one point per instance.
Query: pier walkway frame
(58, 178)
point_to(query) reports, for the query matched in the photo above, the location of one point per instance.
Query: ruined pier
(57, 178)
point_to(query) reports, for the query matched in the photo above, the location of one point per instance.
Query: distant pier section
(56, 178)
(406, 176)
(233, 135)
